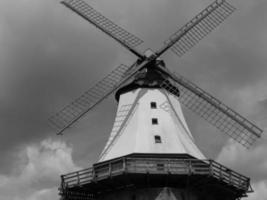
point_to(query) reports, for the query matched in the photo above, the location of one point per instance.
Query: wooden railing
(77, 178)
(229, 176)
(156, 166)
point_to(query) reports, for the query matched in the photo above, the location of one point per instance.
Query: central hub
(149, 54)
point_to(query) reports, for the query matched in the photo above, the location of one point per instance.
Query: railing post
(239, 182)
(94, 175)
(78, 178)
(168, 164)
(62, 182)
(109, 169)
(211, 168)
(221, 172)
(124, 164)
(248, 184)
(230, 178)
(189, 166)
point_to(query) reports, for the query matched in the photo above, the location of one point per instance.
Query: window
(153, 105)
(154, 121)
(157, 139)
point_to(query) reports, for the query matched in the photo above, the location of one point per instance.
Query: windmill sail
(196, 29)
(214, 111)
(75, 110)
(79, 107)
(122, 36)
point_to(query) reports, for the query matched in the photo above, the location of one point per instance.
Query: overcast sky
(49, 56)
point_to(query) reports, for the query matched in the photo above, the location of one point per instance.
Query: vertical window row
(157, 138)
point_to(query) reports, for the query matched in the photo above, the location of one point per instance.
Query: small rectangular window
(153, 105)
(157, 139)
(154, 121)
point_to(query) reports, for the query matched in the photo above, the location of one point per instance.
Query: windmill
(151, 153)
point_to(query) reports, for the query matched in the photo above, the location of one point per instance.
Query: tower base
(155, 177)
(165, 193)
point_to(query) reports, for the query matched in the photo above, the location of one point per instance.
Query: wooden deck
(128, 165)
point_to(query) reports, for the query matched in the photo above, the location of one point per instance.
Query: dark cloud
(49, 56)
(46, 63)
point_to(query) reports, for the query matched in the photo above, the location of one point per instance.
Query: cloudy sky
(49, 56)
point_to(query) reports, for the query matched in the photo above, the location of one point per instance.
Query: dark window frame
(153, 105)
(157, 139)
(155, 121)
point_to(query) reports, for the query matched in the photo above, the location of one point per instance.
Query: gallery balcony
(155, 170)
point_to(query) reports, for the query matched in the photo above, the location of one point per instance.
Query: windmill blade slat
(199, 27)
(229, 6)
(89, 99)
(204, 32)
(221, 12)
(213, 110)
(122, 36)
(195, 34)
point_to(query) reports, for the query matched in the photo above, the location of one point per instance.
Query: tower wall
(135, 132)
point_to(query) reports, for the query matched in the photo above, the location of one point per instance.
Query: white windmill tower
(151, 153)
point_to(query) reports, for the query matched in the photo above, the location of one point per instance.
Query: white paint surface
(136, 133)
